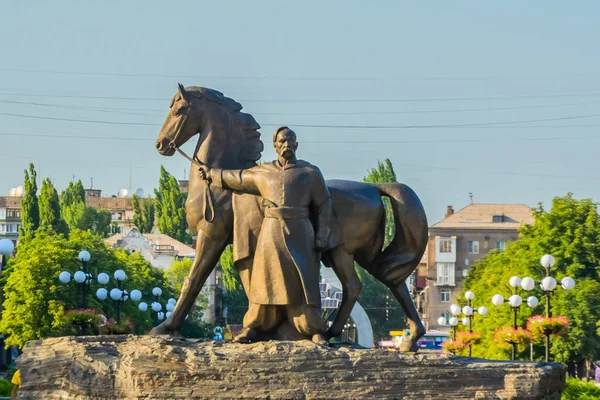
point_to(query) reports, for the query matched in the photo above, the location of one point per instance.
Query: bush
(5, 387)
(579, 390)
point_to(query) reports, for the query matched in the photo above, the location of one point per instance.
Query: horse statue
(229, 138)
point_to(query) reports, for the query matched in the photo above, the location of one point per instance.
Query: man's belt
(284, 213)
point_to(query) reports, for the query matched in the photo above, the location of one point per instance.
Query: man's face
(286, 144)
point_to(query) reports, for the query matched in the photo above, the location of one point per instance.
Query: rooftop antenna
(73, 178)
(471, 197)
(91, 182)
(130, 173)
(184, 174)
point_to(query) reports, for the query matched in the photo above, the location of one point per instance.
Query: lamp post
(515, 301)
(548, 285)
(83, 276)
(469, 314)
(118, 294)
(156, 306)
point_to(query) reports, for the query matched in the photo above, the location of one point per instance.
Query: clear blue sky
(453, 63)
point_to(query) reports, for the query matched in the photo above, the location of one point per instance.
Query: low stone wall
(147, 367)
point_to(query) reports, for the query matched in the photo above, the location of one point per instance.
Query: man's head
(285, 143)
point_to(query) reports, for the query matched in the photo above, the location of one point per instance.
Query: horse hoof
(409, 347)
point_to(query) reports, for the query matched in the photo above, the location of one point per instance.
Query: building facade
(457, 242)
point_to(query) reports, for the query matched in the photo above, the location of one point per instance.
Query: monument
(283, 219)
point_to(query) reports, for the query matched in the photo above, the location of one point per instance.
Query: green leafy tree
(570, 232)
(234, 296)
(384, 311)
(30, 212)
(49, 205)
(78, 215)
(143, 215)
(170, 207)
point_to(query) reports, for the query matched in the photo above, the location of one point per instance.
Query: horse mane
(252, 146)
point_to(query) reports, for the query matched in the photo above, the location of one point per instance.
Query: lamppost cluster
(118, 294)
(469, 314)
(156, 306)
(548, 284)
(6, 248)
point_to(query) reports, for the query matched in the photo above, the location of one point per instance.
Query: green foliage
(80, 322)
(143, 215)
(49, 206)
(384, 311)
(234, 296)
(170, 207)
(30, 212)
(79, 216)
(5, 387)
(570, 232)
(579, 390)
(35, 300)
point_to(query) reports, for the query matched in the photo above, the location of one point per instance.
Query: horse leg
(208, 251)
(417, 329)
(342, 264)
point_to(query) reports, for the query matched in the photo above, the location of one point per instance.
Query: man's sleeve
(321, 200)
(16, 379)
(239, 180)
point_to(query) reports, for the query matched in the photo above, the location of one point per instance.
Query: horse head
(228, 138)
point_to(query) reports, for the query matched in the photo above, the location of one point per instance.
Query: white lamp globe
(79, 276)
(103, 278)
(136, 295)
(497, 300)
(532, 302)
(527, 283)
(161, 316)
(514, 281)
(567, 283)
(143, 306)
(84, 256)
(125, 295)
(170, 307)
(156, 291)
(469, 295)
(172, 301)
(515, 300)
(455, 309)
(120, 275)
(156, 306)
(453, 321)
(467, 310)
(441, 321)
(101, 294)
(482, 310)
(168, 314)
(465, 321)
(116, 294)
(548, 283)
(6, 247)
(64, 277)
(547, 261)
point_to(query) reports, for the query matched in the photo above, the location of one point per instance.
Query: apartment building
(457, 242)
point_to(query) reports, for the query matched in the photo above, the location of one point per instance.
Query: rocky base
(149, 367)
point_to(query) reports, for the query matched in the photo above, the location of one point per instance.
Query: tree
(143, 216)
(170, 207)
(570, 231)
(30, 213)
(384, 311)
(234, 296)
(49, 206)
(79, 216)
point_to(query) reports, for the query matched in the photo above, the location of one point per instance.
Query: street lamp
(548, 285)
(156, 306)
(6, 248)
(118, 294)
(469, 313)
(515, 301)
(83, 276)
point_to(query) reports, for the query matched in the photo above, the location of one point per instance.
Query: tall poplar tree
(143, 215)
(49, 205)
(30, 212)
(170, 207)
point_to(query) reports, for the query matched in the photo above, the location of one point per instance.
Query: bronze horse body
(230, 139)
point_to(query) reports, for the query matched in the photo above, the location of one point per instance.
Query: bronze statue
(229, 139)
(284, 278)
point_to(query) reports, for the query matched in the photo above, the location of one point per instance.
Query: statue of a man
(284, 280)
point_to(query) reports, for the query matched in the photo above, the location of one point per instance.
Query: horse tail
(401, 257)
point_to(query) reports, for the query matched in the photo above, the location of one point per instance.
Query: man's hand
(205, 172)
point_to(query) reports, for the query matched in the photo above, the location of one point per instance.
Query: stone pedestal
(146, 367)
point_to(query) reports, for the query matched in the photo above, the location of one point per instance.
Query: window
(445, 245)
(2, 228)
(498, 218)
(445, 273)
(117, 216)
(500, 245)
(2, 213)
(445, 296)
(447, 317)
(13, 213)
(473, 246)
(12, 228)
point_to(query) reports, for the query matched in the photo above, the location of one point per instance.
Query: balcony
(445, 249)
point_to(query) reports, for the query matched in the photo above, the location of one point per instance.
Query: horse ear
(182, 91)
